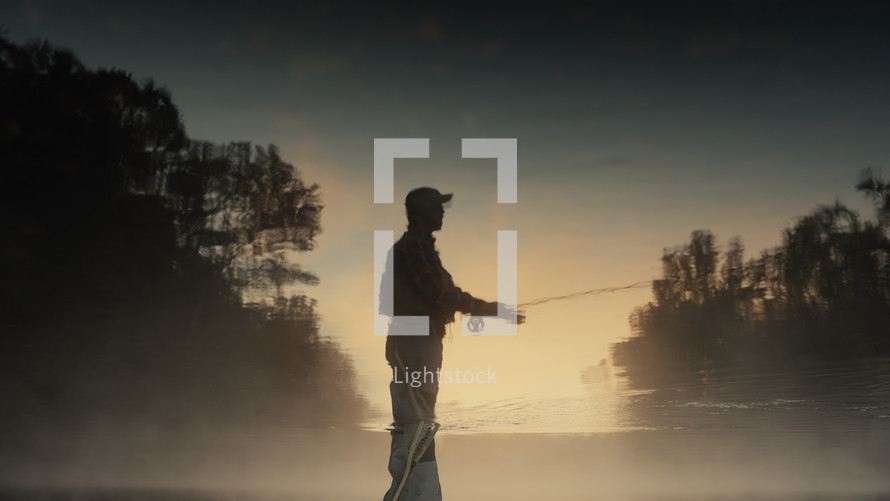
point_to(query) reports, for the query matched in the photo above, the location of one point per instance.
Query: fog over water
(822, 433)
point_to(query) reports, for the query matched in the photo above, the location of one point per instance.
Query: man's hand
(489, 309)
(511, 315)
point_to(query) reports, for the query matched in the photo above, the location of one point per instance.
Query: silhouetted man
(421, 287)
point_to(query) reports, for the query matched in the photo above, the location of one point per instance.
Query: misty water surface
(807, 434)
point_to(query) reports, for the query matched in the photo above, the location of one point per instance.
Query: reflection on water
(540, 415)
(817, 434)
(837, 397)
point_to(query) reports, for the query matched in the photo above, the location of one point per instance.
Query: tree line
(822, 295)
(148, 278)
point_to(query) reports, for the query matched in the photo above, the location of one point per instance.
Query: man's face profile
(434, 215)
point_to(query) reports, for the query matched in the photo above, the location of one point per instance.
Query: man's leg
(422, 484)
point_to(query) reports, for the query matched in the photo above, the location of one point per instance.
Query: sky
(636, 123)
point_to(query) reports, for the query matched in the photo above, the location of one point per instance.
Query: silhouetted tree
(872, 184)
(128, 253)
(823, 294)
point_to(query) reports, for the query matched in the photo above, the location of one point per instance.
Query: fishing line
(591, 292)
(476, 324)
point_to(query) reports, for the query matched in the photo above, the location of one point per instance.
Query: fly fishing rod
(476, 323)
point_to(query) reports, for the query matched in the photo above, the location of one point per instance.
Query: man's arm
(434, 284)
(475, 306)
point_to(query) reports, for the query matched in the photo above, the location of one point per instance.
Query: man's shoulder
(417, 249)
(412, 242)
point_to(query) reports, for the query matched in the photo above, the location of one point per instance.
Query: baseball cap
(425, 197)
